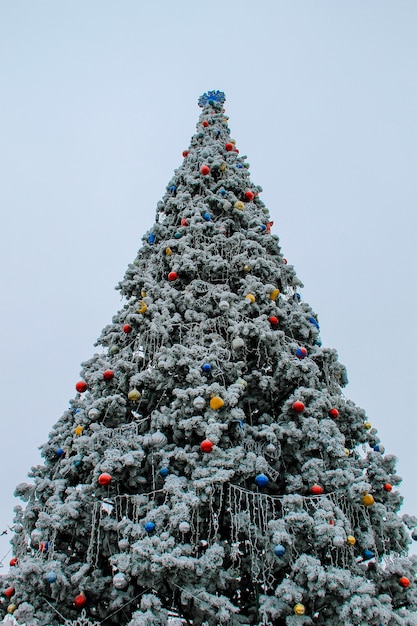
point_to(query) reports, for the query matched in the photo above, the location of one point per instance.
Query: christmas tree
(210, 469)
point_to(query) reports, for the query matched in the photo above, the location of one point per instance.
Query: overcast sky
(98, 101)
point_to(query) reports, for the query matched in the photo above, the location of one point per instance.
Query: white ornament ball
(120, 581)
(158, 439)
(223, 305)
(184, 527)
(93, 414)
(36, 536)
(123, 544)
(199, 402)
(227, 205)
(270, 448)
(237, 343)
(338, 541)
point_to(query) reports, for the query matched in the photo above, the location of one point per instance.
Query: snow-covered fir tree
(210, 469)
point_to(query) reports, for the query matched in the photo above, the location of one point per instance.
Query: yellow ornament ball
(367, 425)
(216, 403)
(11, 608)
(246, 268)
(274, 294)
(347, 452)
(368, 500)
(299, 609)
(134, 395)
(250, 297)
(142, 307)
(168, 251)
(239, 205)
(233, 141)
(351, 540)
(223, 166)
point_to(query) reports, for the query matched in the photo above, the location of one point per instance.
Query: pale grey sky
(98, 101)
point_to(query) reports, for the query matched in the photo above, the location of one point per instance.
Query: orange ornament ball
(404, 582)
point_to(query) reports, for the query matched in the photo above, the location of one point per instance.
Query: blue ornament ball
(151, 238)
(301, 353)
(150, 527)
(178, 235)
(279, 550)
(50, 577)
(367, 554)
(206, 367)
(164, 471)
(222, 192)
(207, 217)
(262, 480)
(297, 296)
(315, 323)
(172, 189)
(59, 452)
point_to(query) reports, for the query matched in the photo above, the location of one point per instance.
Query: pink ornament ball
(108, 374)
(104, 479)
(81, 386)
(298, 406)
(80, 600)
(206, 445)
(229, 147)
(205, 170)
(334, 413)
(316, 490)
(249, 195)
(172, 276)
(127, 329)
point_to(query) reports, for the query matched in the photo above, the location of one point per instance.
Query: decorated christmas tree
(210, 469)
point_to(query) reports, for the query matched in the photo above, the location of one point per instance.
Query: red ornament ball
(204, 123)
(204, 169)
(9, 592)
(273, 320)
(185, 153)
(13, 561)
(229, 147)
(206, 445)
(127, 329)
(172, 276)
(104, 479)
(80, 600)
(235, 150)
(184, 222)
(334, 413)
(108, 374)
(81, 386)
(249, 195)
(404, 581)
(316, 490)
(285, 261)
(387, 487)
(298, 406)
